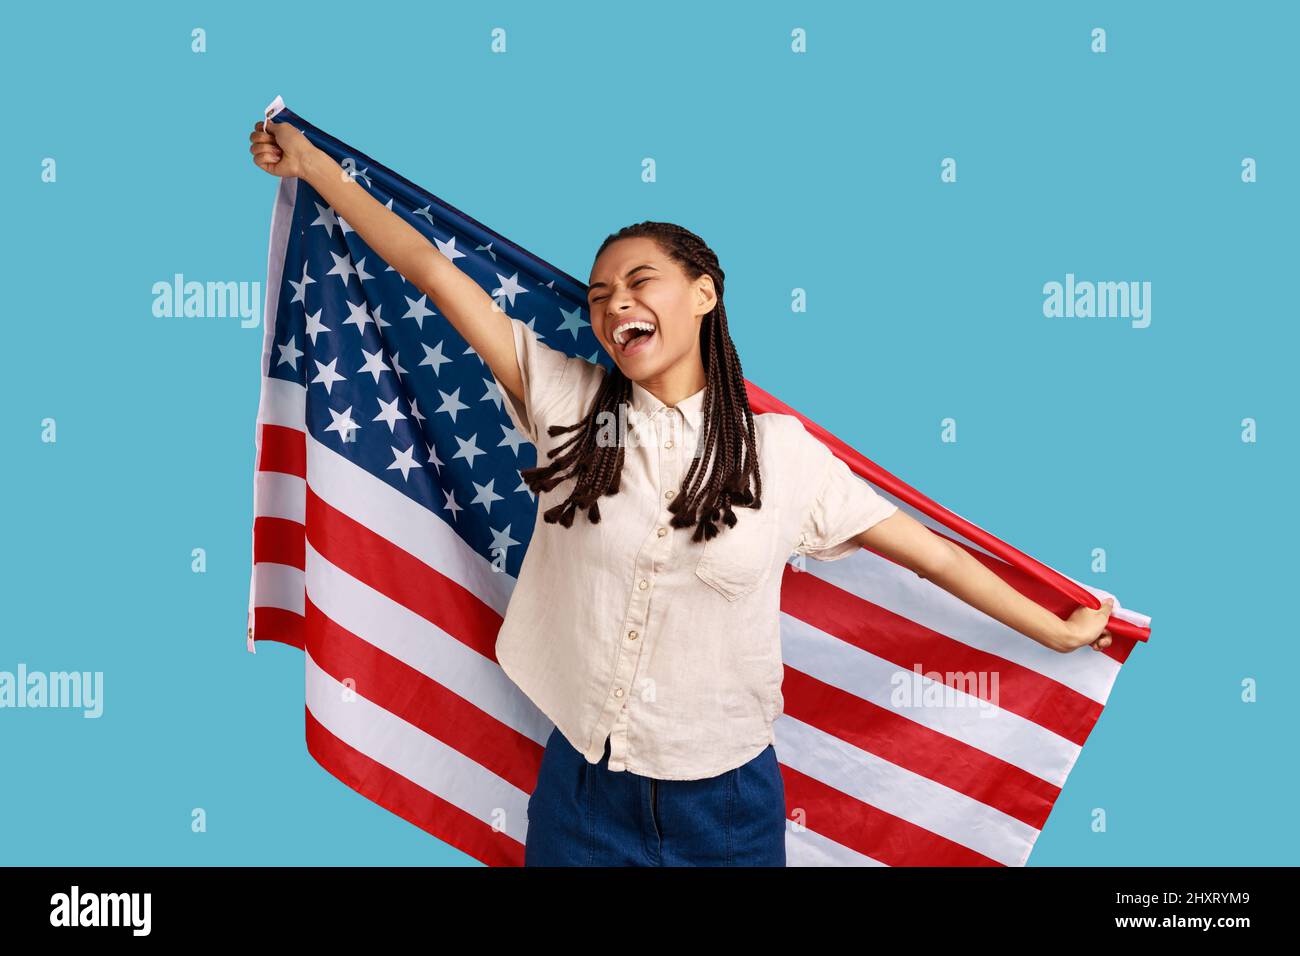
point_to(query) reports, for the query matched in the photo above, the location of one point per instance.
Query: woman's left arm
(903, 539)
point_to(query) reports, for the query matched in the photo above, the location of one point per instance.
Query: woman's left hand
(1088, 626)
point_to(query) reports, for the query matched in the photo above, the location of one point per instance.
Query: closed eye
(634, 285)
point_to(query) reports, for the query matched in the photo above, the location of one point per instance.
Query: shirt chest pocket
(736, 560)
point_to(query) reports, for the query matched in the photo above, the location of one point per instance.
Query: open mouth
(632, 337)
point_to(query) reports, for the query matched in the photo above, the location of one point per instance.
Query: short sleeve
(544, 371)
(843, 507)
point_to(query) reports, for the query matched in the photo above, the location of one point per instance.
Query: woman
(648, 630)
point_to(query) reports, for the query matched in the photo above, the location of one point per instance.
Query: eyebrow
(627, 275)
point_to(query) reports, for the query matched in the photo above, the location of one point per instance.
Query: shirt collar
(645, 403)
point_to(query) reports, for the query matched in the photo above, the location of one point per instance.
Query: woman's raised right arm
(284, 150)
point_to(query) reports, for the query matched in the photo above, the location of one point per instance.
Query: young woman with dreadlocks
(645, 622)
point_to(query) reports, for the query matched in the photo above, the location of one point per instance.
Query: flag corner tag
(273, 108)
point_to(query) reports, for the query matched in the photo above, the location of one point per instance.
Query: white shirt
(627, 629)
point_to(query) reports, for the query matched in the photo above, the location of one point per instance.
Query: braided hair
(728, 440)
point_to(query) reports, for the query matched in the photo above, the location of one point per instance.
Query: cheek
(683, 336)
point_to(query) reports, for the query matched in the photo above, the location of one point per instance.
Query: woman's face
(634, 280)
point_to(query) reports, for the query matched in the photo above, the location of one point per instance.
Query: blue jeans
(584, 814)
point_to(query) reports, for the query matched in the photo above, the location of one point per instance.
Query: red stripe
(905, 643)
(401, 576)
(279, 541)
(277, 624)
(406, 692)
(283, 450)
(410, 801)
(869, 830)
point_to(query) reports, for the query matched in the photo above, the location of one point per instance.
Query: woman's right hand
(1088, 626)
(281, 148)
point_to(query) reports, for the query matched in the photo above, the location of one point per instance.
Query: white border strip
(281, 222)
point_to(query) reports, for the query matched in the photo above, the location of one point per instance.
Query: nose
(620, 300)
(616, 305)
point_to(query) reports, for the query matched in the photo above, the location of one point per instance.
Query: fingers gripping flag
(390, 520)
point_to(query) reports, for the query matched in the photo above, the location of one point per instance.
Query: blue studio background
(819, 171)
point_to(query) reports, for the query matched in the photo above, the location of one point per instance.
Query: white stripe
(280, 496)
(279, 586)
(420, 758)
(806, 848)
(284, 403)
(400, 632)
(962, 717)
(898, 791)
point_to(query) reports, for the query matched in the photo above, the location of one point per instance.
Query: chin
(640, 372)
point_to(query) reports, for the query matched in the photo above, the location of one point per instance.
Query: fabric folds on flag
(390, 520)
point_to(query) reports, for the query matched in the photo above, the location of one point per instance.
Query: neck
(676, 383)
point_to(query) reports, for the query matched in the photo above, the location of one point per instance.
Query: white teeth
(620, 332)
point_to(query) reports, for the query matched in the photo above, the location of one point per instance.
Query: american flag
(390, 520)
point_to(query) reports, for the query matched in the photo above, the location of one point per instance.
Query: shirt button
(644, 584)
(668, 443)
(618, 692)
(631, 635)
(662, 531)
(669, 493)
